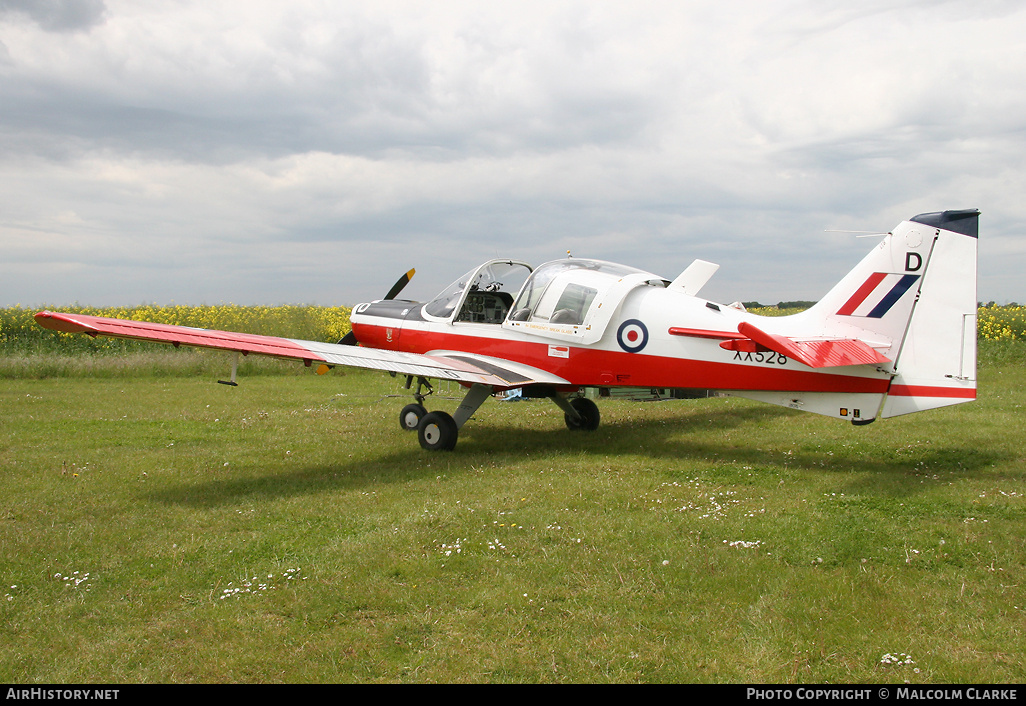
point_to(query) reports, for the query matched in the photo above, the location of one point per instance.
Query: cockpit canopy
(572, 299)
(483, 295)
(563, 291)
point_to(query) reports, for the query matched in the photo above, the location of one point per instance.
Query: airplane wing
(460, 367)
(816, 353)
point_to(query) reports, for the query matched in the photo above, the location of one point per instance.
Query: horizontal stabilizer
(816, 353)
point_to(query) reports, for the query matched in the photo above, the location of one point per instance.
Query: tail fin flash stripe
(893, 296)
(877, 295)
(860, 296)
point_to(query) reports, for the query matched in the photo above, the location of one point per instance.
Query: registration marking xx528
(767, 358)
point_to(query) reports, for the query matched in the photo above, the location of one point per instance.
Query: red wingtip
(63, 323)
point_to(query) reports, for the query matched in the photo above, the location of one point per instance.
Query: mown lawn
(169, 529)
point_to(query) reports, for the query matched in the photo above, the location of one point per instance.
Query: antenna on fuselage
(859, 233)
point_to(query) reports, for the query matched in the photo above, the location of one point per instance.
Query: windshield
(484, 294)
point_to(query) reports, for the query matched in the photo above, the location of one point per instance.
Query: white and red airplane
(896, 335)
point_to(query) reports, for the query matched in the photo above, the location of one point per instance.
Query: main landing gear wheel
(409, 418)
(437, 432)
(589, 415)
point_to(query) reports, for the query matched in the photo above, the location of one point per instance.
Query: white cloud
(56, 15)
(194, 150)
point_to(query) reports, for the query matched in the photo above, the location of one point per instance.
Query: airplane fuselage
(658, 337)
(638, 350)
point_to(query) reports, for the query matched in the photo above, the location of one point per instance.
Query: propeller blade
(400, 285)
(350, 338)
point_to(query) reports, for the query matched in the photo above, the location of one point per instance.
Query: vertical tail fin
(936, 364)
(913, 299)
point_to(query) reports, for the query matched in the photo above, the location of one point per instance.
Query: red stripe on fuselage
(932, 391)
(593, 367)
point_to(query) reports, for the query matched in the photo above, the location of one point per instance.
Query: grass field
(161, 528)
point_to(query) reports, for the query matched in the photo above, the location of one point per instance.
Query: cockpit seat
(565, 316)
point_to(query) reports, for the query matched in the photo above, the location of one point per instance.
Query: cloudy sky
(311, 151)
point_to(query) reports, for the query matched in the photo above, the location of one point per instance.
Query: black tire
(437, 432)
(410, 416)
(589, 412)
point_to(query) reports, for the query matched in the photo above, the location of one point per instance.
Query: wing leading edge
(451, 366)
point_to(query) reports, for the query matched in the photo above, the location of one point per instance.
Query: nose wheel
(410, 416)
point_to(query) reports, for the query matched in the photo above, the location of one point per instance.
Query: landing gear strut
(411, 414)
(439, 431)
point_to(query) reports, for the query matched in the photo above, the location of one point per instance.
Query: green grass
(288, 531)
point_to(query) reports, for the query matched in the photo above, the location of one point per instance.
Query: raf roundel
(632, 335)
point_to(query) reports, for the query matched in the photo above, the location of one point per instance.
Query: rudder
(935, 365)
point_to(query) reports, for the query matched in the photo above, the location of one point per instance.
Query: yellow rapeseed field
(1002, 323)
(330, 323)
(312, 323)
